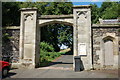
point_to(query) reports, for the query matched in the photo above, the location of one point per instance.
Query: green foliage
(58, 8)
(49, 8)
(65, 35)
(105, 5)
(10, 14)
(48, 56)
(110, 10)
(52, 33)
(58, 34)
(49, 34)
(44, 46)
(46, 53)
(5, 38)
(94, 13)
(45, 56)
(55, 34)
(7, 0)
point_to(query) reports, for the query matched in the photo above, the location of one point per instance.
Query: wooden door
(108, 54)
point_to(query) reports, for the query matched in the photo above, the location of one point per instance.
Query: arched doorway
(108, 52)
(50, 32)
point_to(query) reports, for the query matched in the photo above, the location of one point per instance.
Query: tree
(10, 14)
(110, 10)
(57, 8)
(7, 0)
(95, 14)
(56, 32)
(66, 35)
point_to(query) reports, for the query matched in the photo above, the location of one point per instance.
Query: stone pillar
(82, 34)
(28, 38)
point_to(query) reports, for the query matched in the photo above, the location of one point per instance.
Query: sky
(87, 3)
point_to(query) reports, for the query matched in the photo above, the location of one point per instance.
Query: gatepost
(29, 53)
(82, 34)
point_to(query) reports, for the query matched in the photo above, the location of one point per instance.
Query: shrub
(46, 47)
(47, 53)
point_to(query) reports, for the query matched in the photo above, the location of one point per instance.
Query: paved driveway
(61, 68)
(64, 61)
(61, 73)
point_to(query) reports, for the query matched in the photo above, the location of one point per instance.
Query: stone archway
(29, 34)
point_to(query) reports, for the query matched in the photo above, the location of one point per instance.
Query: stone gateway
(97, 45)
(31, 22)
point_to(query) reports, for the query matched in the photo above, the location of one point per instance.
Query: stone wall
(10, 47)
(97, 34)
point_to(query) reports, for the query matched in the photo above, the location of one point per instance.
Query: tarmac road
(61, 68)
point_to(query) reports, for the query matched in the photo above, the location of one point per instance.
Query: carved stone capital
(28, 15)
(81, 12)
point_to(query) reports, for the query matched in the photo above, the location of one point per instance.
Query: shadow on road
(68, 53)
(54, 63)
(9, 75)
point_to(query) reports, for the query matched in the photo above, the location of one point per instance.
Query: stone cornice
(82, 6)
(106, 25)
(11, 27)
(55, 16)
(28, 9)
